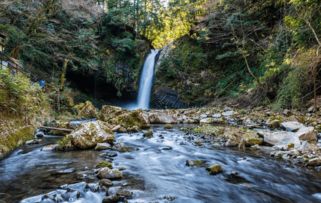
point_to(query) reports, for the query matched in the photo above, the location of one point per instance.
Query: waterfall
(146, 81)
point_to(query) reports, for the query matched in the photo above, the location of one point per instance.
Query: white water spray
(146, 81)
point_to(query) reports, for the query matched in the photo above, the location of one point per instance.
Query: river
(155, 170)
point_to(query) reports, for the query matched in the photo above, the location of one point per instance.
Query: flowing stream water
(155, 170)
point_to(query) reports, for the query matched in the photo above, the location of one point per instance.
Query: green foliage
(105, 45)
(174, 21)
(292, 90)
(266, 35)
(19, 95)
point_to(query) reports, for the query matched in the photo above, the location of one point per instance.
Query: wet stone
(112, 199)
(124, 194)
(167, 148)
(195, 163)
(214, 169)
(314, 162)
(103, 164)
(106, 182)
(168, 126)
(107, 173)
(148, 134)
(235, 178)
(109, 154)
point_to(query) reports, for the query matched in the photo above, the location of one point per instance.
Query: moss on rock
(86, 110)
(130, 120)
(15, 139)
(104, 164)
(209, 130)
(214, 169)
(87, 136)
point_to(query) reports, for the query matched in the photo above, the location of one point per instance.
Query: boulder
(236, 136)
(307, 134)
(104, 164)
(102, 146)
(195, 163)
(86, 110)
(106, 183)
(159, 117)
(251, 138)
(314, 162)
(107, 112)
(276, 123)
(124, 120)
(292, 126)
(214, 169)
(148, 134)
(279, 138)
(107, 173)
(88, 135)
(131, 120)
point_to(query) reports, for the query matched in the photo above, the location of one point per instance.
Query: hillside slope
(248, 53)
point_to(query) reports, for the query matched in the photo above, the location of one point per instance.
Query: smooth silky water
(146, 81)
(156, 171)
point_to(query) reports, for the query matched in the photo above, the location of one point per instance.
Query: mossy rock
(168, 126)
(148, 134)
(209, 130)
(276, 123)
(108, 113)
(65, 144)
(215, 169)
(254, 141)
(290, 146)
(86, 110)
(16, 139)
(252, 138)
(104, 164)
(195, 163)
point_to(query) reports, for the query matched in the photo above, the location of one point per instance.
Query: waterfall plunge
(146, 81)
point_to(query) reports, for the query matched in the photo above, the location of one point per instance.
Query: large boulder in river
(87, 136)
(86, 110)
(107, 112)
(111, 174)
(124, 119)
(132, 120)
